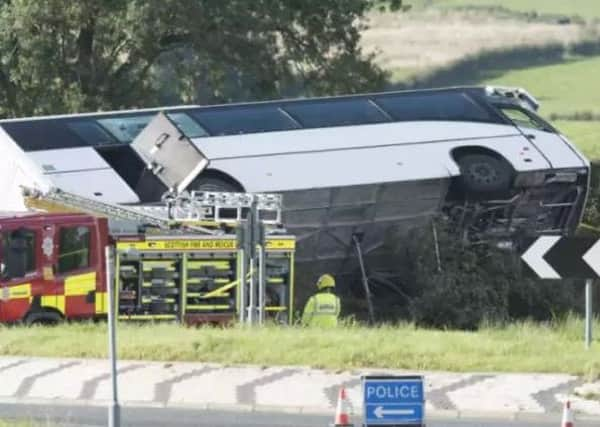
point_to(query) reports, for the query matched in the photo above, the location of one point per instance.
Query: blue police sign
(393, 401)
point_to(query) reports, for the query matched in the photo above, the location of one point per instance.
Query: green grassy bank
(15, 423)
(585, 8)
(526, 347)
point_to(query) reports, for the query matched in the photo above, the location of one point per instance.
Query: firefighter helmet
(326, 281)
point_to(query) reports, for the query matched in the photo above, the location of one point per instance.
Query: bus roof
(121, 127)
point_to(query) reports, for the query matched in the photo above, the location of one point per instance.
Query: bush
(477, 283)
(463, 290)
(592, 211)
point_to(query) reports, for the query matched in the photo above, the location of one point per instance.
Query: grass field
(514, 348)
(14, 423)
(586, 135)
(583, 8)
(411, 44)
(563, 89)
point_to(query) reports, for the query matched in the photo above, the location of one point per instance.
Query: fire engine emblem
(48, 246)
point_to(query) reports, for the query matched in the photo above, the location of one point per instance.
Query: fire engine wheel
(482, 173)
(42, 318)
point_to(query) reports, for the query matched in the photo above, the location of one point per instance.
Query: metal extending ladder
(185, 210)
(220, 207)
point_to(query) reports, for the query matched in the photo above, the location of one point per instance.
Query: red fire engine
(53, 267)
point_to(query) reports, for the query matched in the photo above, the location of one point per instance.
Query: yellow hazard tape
(219, 292)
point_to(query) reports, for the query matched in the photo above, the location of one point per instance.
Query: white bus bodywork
(377, 179)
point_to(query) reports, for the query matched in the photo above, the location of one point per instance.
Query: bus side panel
(362, 166)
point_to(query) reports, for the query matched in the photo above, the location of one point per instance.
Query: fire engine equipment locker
(196, 279)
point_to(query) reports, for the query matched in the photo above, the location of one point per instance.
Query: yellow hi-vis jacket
(322, 309)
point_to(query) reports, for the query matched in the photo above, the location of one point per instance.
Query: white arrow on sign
(592, 257)
(380, 412)
(534, 257)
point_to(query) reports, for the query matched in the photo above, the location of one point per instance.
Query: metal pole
(253, 237)
(242, 284)
(252, 292)
(114, 412)
(261, 285)
(437, 247)
(588, 313)
(365, 279)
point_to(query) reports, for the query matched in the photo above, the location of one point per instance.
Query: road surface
(89, 416)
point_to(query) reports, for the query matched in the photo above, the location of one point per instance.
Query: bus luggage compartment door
(169, 154)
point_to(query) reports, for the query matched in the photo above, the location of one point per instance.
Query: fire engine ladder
(185, 210)
(218, 207)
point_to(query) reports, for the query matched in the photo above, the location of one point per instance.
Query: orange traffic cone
(567, 418)
(342, 418)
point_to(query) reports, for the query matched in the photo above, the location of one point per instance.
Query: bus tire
(45, 317)
(481, 173)
(211, 183)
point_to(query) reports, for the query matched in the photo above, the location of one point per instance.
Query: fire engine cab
(52, 267)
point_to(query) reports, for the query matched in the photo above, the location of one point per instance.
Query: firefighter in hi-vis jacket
(323, 308)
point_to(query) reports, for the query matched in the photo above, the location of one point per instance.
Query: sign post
(114, 411)
(556, 257)
(393, 401)
(588, 314)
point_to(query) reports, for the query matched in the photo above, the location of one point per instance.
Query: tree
(59, 57)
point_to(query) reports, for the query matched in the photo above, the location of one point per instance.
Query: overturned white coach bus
(372, 165)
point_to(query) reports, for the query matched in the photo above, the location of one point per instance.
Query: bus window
(433, 106)
(91, 132)
(344, 112)
(240, 120)
(187, 125)
(525, 119)
(18, 251)
(125, 129)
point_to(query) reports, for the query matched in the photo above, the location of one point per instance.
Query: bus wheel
(210, 183)
(481, 173)
(42, 318)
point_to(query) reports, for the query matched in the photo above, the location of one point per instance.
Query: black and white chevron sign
(556, 257)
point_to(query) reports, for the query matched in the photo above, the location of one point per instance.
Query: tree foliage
(59, 56)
